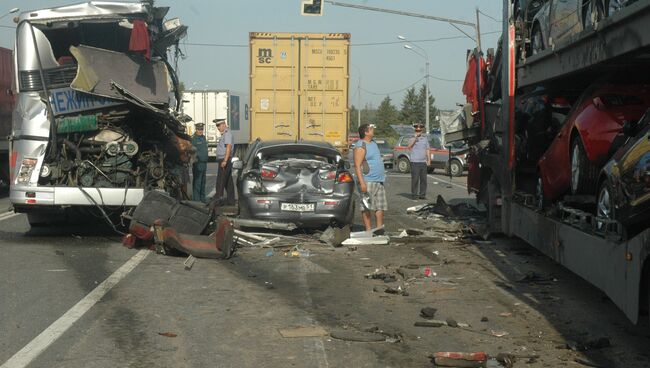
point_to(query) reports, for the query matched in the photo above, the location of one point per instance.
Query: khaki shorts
(377, 193)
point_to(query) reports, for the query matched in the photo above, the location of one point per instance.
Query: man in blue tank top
(369, 168)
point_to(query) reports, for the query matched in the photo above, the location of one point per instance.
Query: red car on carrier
(583, 143)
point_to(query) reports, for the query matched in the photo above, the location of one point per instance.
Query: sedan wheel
(583, 172)
(403, 165)
(540, 200)
(605, 208)
(605, 205)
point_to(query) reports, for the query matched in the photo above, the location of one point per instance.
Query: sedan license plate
(298, 207)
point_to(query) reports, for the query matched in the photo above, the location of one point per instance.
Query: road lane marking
(447, 182)
(8, 215)
(46, 338)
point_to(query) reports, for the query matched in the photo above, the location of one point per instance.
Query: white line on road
(8, 215)
(448, 182)
(35, 347)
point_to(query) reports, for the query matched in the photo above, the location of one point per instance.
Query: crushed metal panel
(26, 50)
(98, 9)
(97, 69)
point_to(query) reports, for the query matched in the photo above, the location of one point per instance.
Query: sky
(216, 48)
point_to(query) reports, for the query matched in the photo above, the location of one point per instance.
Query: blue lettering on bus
(67, 100)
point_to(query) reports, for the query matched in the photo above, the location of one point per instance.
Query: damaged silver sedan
(303, 183)
(96, 120)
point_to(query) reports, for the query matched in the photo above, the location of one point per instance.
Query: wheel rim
(455, 168)
(575, 168)
(604, 204)
(539, 194)
(402, 165)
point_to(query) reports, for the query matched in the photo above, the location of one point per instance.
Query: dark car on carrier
(624, 183)
(306, 183)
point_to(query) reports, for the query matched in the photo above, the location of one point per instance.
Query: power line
(212, 44)
(491, 17)
(393, 92)
(207, 44)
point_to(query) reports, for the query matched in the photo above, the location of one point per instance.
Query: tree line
(411, 111)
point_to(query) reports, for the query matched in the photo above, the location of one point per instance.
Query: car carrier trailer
(619, 267)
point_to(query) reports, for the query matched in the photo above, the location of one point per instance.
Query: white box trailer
(207, 105)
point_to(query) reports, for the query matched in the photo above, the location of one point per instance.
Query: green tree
(410, 107)
(368, 114)
(387, 114)
(353, 118)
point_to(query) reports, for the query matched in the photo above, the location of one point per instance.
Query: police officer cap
(199, 125)
(219, 121)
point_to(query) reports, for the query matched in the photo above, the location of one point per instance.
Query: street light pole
(426, 84)
(358, 96)
(426, 98)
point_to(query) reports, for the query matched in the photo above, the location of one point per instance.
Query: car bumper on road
(326, 210)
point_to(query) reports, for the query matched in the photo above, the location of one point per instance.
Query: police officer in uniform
(200, 165)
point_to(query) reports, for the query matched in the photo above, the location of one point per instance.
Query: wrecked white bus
(96, 122)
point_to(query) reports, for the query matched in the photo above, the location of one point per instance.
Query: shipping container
(205, 106)
(299, 86)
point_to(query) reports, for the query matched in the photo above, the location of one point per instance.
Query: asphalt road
(72, 296)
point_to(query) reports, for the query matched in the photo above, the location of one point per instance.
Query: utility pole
(359, 101)
(426, 99)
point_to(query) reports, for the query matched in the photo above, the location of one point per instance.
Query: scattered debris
(167, 334)
(373, 240)
(391, 290)
(588, 363)
(358, 336)
(499, 333)
(432, 323)
(441, 208)
(428, 312)
(505, 314)
(335, 236)
(452, 322)
(458, 359)
(303, 331)
(508, 359)
(391, 335)
(382, 274)
(594, 344)
(189, 262)
(532, 277)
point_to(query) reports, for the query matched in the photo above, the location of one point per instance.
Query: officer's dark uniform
(200, 166)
